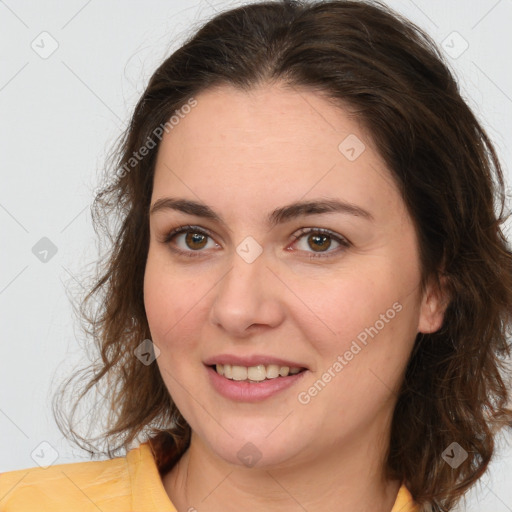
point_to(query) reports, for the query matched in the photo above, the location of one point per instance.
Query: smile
(256, 373)
(251, 383)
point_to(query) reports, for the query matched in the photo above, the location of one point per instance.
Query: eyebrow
(277, 216)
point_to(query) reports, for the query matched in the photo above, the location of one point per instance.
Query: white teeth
(239, 372)
(255, 373)
(272, 371)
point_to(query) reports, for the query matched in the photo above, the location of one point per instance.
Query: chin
(252, 449)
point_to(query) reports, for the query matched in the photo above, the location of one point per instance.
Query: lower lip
(241, 391)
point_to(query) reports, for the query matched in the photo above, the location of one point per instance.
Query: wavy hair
(391, 74)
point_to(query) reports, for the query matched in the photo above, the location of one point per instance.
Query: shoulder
(404, 501)
(80, 486)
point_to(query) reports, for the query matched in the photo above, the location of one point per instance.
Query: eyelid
(183, 229)
(344, 242)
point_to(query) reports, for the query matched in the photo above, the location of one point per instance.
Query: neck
(346, 478)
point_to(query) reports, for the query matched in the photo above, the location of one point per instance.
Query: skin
(245, 154)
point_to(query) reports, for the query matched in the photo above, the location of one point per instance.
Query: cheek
(335, 310)
(172, 300)
(371, 316)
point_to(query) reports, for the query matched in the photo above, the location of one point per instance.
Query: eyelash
(344, 243)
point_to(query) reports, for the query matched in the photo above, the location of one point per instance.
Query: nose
(247, 299)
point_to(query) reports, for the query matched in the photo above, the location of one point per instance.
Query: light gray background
(59, 118)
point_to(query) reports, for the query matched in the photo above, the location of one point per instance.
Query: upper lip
(253, 360)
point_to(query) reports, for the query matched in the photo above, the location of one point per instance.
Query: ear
(434, 302)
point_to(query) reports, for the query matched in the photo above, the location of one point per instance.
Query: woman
(307, 299)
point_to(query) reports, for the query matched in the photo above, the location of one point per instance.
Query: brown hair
(392, 75)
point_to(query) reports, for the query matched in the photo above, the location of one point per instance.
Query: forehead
(266, 118)
(271, 142)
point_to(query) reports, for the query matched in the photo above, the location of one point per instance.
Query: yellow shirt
(122, 484)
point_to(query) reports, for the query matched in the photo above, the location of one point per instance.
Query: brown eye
(195, 240)
(319, 241)
(188, 240)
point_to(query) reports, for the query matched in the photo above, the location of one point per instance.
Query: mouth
(255, 374)
(253, 378)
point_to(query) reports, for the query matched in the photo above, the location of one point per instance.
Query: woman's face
(264, 283)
